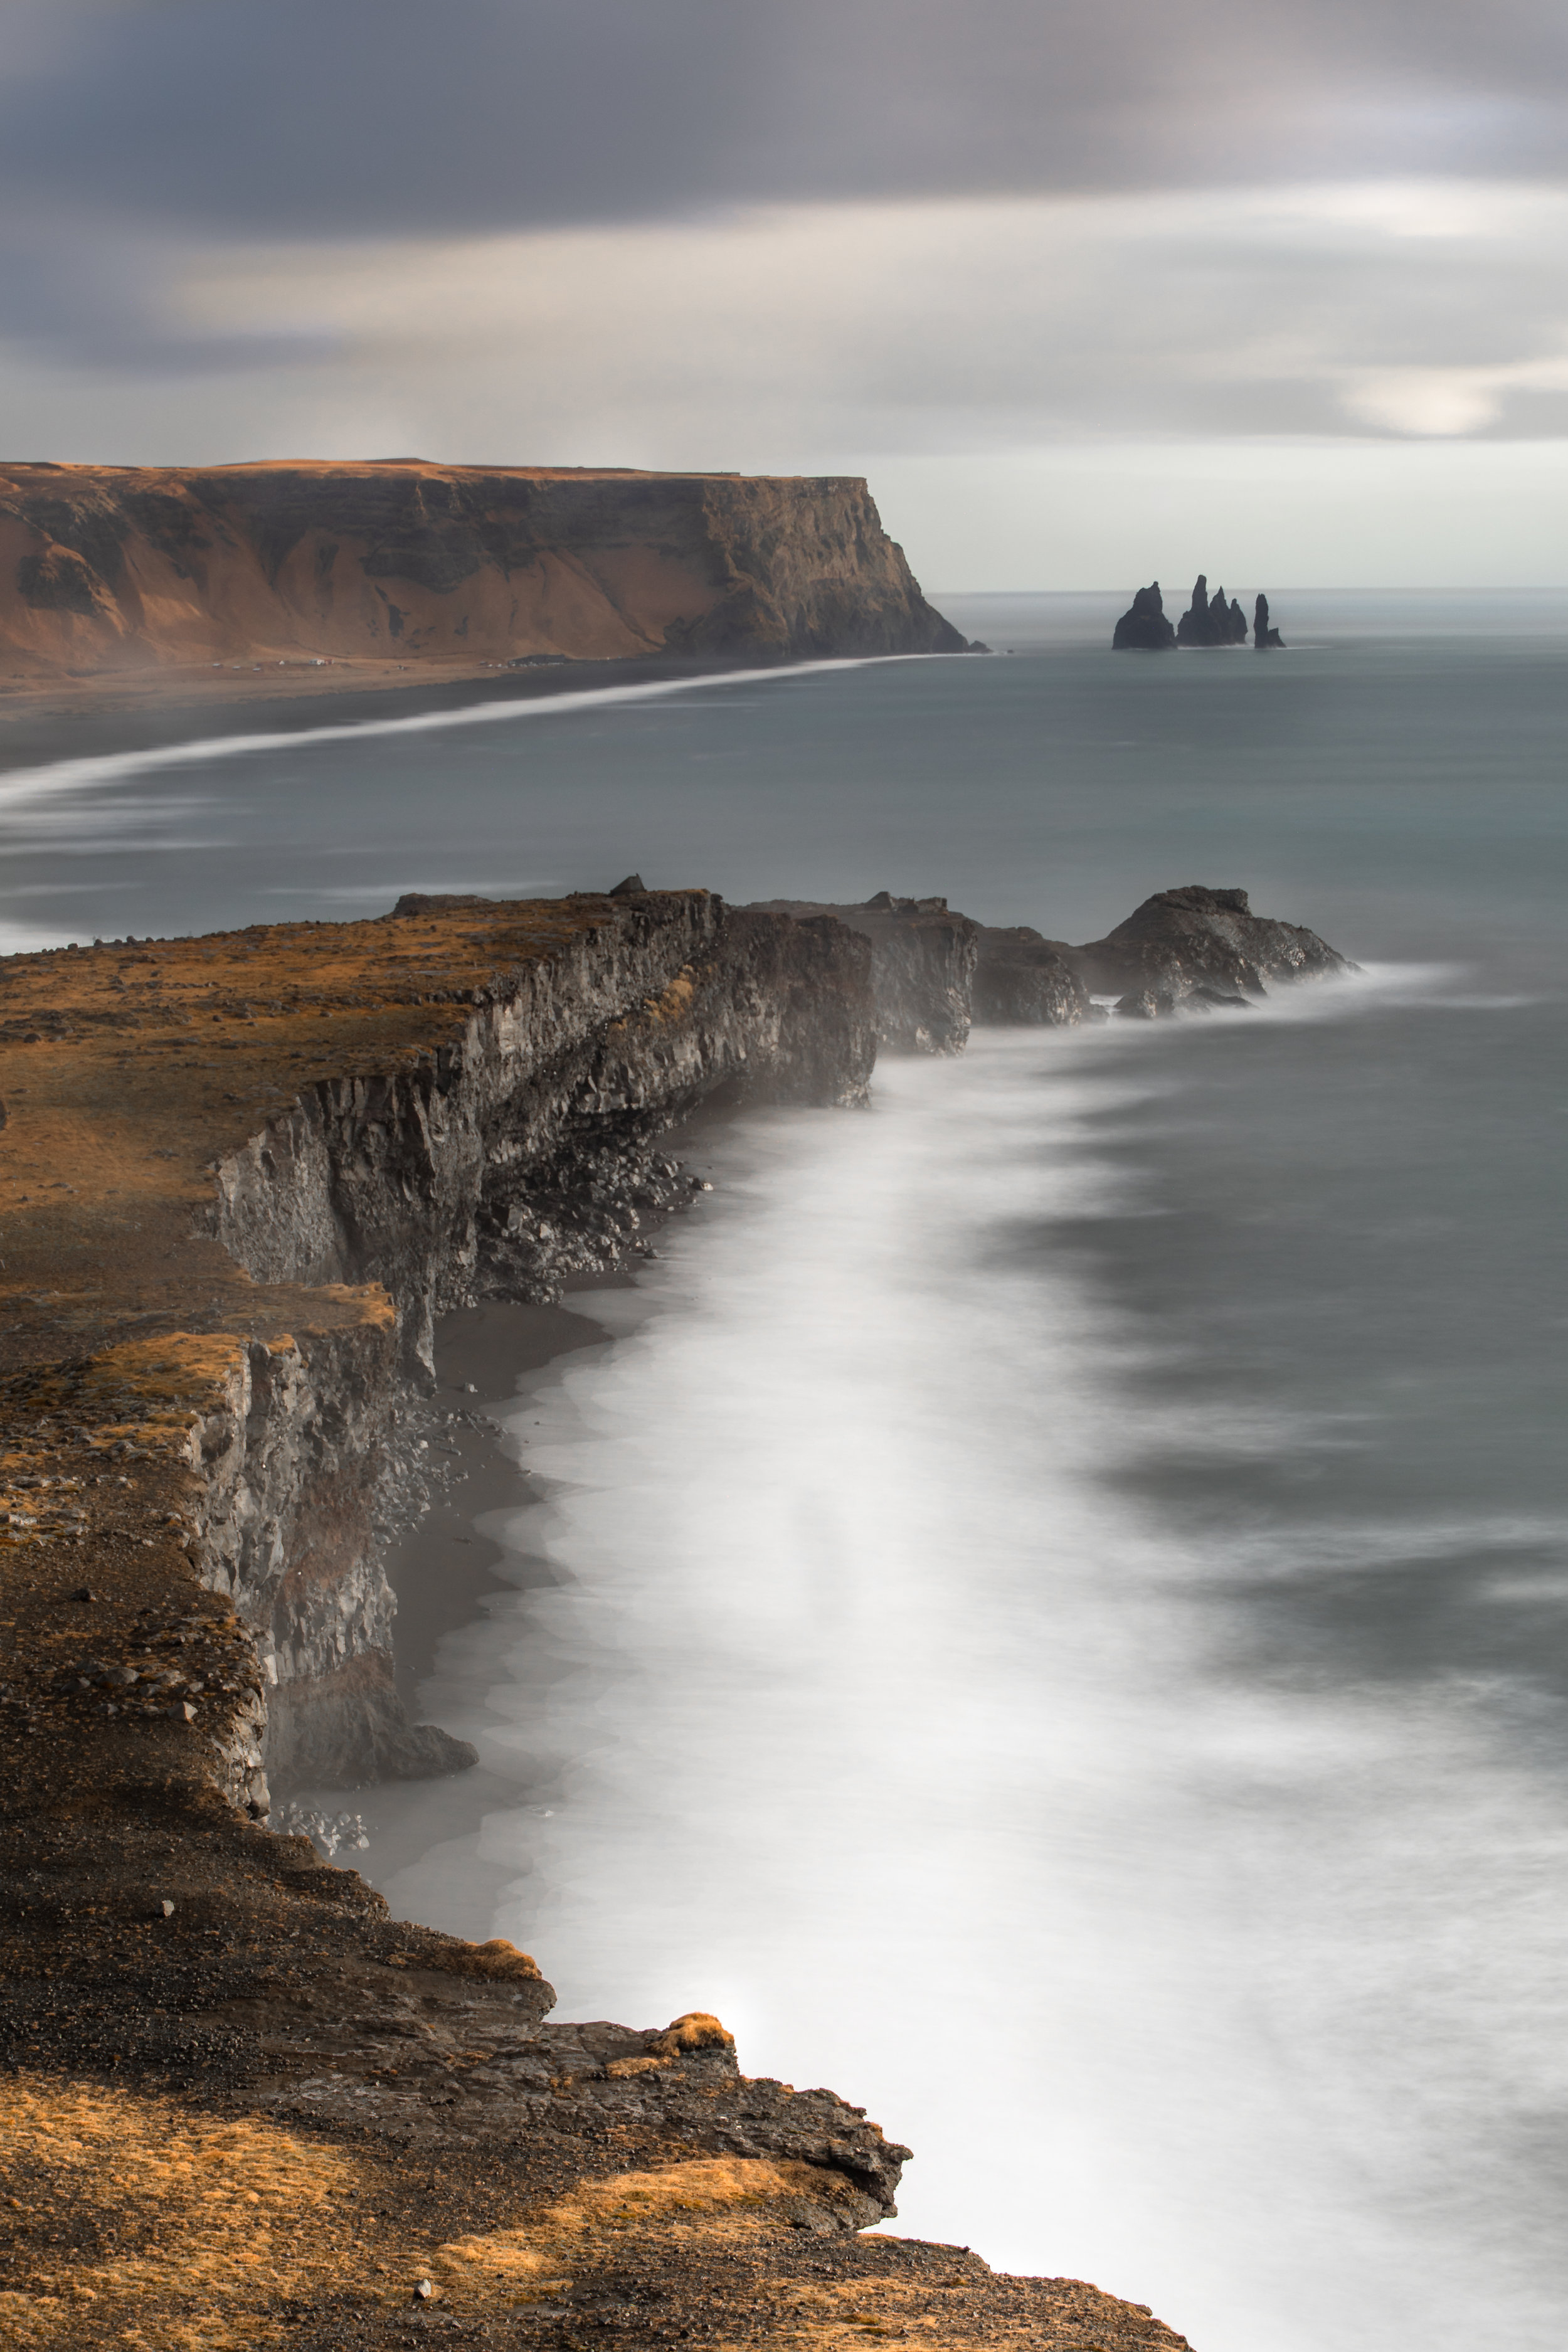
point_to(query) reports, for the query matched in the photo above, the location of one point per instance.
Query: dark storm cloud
(307, 118)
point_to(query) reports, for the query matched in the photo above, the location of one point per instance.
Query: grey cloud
(309, 118)
(100, 300)
(135, 134)
(812, 333)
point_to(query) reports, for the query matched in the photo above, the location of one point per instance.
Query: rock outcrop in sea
(1263, 637)
(1143, 627)
(1022, 980)
(1210, 620)
(935, 972)
(1195, 949)
(122, 569)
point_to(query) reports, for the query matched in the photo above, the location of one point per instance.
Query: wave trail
(113, 767)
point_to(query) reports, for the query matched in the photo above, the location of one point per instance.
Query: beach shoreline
(43, 720)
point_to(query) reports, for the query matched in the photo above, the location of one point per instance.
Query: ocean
(1045, 1604)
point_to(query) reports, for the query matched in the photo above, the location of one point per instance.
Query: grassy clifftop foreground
(136, 569)
(240, 2105)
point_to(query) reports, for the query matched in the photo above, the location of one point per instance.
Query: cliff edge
(127, 569)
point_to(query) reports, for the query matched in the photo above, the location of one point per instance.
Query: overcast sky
(1090, 288)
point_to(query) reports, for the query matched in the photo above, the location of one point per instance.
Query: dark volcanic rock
(1024, 981)
(1210, 620)
(1144, 628)
(1263, 636)
(1196, 948)
(922, 966)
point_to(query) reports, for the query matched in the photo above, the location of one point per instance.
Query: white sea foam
(866, 1702)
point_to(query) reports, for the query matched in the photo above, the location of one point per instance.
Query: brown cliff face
(122, 569)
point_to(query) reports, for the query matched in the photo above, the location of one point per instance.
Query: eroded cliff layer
(125, 567)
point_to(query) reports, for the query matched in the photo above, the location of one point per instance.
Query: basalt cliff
(239, 2102)
(156, 569)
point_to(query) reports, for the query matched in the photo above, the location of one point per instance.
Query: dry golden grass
(706, 2201)
(225, 2219)
(697, 2030)
(499, 1961)
(230, 2231)
(676, 1001)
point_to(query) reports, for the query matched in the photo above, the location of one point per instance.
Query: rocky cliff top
(238, 2101)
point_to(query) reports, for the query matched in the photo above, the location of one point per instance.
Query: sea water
(1045, 1604)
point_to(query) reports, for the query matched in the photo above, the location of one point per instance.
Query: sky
(1089, 290)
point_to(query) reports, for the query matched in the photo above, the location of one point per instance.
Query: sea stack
(1144, 628)
(1210, 620)
(1263, 637)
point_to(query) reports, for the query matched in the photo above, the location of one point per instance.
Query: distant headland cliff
(1208, 621)
(109, 569)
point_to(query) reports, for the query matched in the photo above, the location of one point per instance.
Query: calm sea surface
(1046, 1606)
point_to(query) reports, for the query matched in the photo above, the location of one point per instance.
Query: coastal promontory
(241, 1177)
(240, 2101)
(137, 570)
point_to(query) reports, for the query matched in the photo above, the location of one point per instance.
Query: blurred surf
(1086, 1725)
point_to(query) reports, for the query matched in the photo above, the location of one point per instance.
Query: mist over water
(1045, 1607)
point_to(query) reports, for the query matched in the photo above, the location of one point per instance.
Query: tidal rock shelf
(240, 1177)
